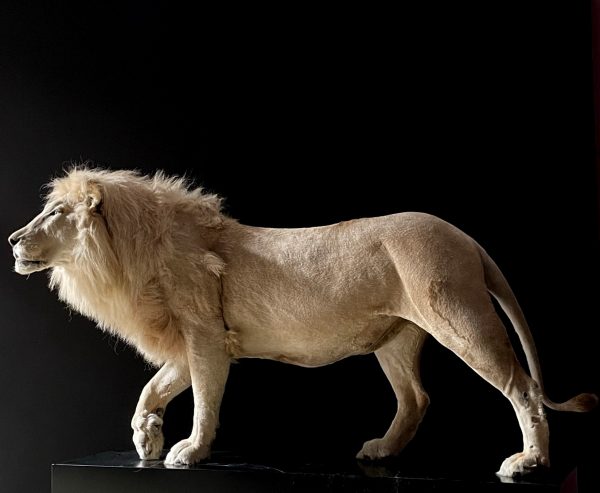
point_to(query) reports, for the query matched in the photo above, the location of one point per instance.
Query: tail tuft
(579, 404)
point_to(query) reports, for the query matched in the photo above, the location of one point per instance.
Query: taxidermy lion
(159, 265)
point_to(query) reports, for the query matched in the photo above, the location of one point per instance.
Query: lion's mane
(141, 249)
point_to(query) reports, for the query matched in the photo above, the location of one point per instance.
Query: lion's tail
(499, 288)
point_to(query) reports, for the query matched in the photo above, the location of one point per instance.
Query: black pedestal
(123, 472)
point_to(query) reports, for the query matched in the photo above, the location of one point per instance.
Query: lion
(157, 262)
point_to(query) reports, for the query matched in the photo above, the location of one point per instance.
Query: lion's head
(104, 225)
(52, 238)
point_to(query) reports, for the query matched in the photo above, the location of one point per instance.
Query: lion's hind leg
(463, 319)
(526, 399)
(399, 360)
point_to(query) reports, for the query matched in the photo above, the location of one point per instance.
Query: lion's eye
(55, 212)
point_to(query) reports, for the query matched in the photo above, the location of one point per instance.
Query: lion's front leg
(209, 367)
(169, 381)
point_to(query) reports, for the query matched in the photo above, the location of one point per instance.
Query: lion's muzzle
(26, 260)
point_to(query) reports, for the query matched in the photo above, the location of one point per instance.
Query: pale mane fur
(122, 274)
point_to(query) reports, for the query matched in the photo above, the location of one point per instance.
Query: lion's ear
(93, 200)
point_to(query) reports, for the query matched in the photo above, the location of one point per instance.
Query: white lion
(159, 265)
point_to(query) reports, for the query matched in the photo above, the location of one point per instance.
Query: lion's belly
(315, 344)
(312, 296)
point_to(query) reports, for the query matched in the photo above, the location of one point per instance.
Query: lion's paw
(186, 453)
(147, 436)
(522, 463)
(376, 449)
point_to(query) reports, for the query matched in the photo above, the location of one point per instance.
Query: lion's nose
(14, 238)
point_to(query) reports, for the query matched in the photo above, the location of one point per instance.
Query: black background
(482, 115)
